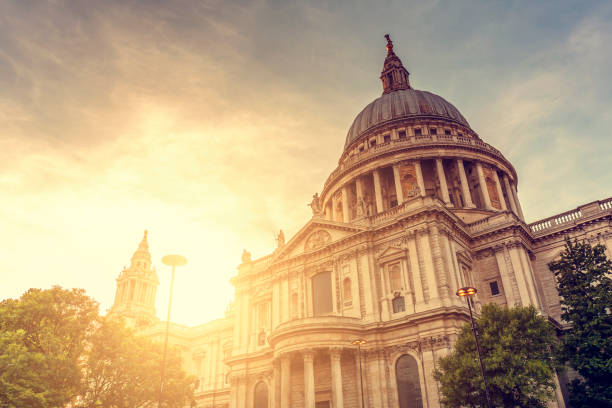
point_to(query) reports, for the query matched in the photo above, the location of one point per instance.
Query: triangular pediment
(316, 234)
(391, 252)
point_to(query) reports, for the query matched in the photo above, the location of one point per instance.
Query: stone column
(334, 208)
(499, 191)
(398, 185)
(510, 195)
(374, 377)
(378, 191)
(465, 188)
(359, 381)
(336, 376)
(419, 174)
(359, 187)
(285, 367)
(309, 385)
(443, 185)
(242, 389)
(345, 205)
(233, 393)
(483, 186)
(518, 203)
(275, 382)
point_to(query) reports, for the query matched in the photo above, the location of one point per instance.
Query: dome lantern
(393, 76)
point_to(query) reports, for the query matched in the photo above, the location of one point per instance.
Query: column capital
(308, 354)
(335, 352)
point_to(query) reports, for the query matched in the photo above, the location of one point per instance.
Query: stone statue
(246, 256)
(280, 239)
(361, 207)
(315, 204)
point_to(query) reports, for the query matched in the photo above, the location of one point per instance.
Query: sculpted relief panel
(317, 239)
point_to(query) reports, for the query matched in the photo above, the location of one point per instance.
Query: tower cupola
(393, 76)
(136, 288)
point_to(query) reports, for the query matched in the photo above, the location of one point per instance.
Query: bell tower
(136, 289)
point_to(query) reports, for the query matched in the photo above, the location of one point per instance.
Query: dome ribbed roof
(404, 103)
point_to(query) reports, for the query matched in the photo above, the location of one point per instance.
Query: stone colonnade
(335, 354)
(337, 206)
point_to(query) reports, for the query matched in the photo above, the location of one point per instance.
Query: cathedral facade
(356, 309)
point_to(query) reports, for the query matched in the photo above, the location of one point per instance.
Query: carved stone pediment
(317, 239)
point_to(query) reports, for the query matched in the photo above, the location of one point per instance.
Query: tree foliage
(517, 347)
(584, 284)
(119, 360)
(45, 332)
(56, 351)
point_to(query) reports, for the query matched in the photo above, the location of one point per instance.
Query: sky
(212, 123)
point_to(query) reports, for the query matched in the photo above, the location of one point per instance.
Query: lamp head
(174, 260)
(358, 342)
(466, 291)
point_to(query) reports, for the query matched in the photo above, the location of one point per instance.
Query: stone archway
(260, 395)
(408, 384)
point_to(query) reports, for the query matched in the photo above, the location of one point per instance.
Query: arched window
(322, 302)
(347, 291)
(408, 384)
(261, 395)
(395, 278)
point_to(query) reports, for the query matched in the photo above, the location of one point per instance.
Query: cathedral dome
(402, 104)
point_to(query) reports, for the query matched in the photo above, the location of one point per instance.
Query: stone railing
(408, 142)
(574, 216)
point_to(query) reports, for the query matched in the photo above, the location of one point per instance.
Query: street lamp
(468, 292)
(359, 343)
(174, 261)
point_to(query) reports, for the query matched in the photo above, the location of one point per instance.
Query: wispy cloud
(213, 122)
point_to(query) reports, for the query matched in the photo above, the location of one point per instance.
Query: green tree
(56, 351)
(119, 360)
(20, 382)
(584, 284)
(44, 333)
(517, 346)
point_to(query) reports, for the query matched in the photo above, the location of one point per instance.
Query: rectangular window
(402, 134)
(459, 134)
(433, 131)
(361, 148)
(494, 288)
(398, 304)
(447, 132)
(417, 132)
(387, 138)
(373, 142)
(262, 312)
(322, 301)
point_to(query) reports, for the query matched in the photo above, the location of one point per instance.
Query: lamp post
(468, 292)
(174, 261)
(359, 343)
